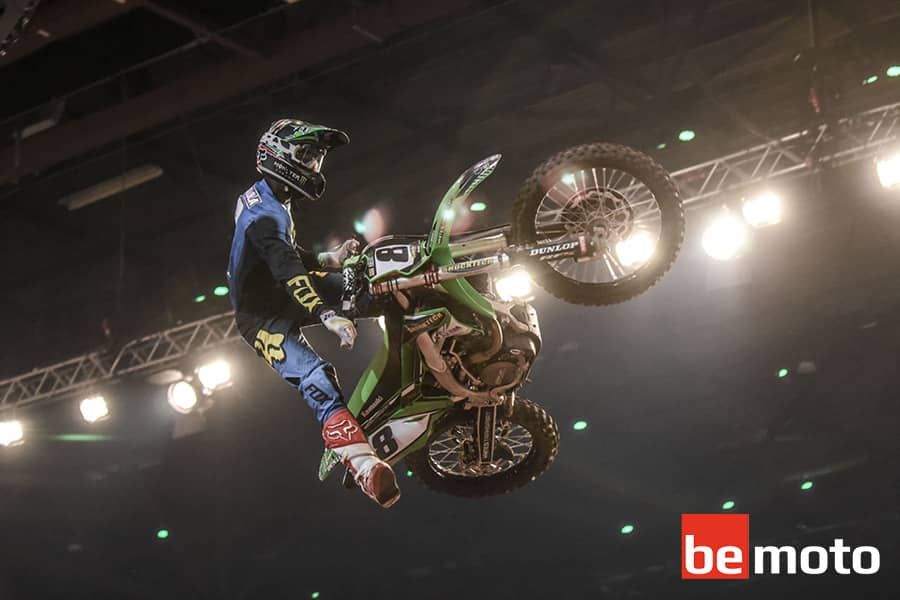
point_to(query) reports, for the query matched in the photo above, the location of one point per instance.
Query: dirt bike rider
(277, 287)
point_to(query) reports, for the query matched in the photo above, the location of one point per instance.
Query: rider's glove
(335, 259)
(340, 326)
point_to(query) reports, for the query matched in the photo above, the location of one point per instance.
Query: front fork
(485, 433)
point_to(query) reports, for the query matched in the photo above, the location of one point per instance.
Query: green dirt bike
(596, 224)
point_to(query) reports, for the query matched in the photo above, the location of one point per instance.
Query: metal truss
(846, 140)
(156, 351)
(13, 20)
(849, 139)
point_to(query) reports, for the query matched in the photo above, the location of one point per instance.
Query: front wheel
(526, 442)
(622, 200)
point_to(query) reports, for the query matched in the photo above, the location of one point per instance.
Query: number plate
(394, 258)
(398, 434)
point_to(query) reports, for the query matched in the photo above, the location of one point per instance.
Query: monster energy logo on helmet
(289, 148)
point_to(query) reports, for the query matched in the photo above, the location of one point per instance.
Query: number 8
(384, 442)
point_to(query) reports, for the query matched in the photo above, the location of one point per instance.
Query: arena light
(627, 529)
(686, 135)
(214, 375)
(515, 286)
(478, 207)
(374, 224)
(220, 290)
(893, 71)
(762, 210)
(94, 409)
(636, 249)
(806, 485)
(728, 505)
(11, 433)
(725, 237)
(888, 168)
(182, 397)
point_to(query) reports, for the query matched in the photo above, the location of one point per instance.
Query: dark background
(679, 386)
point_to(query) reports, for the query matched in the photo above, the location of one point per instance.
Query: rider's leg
(280, 343)
(345, 437)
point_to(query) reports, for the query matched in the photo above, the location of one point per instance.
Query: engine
(501, 360)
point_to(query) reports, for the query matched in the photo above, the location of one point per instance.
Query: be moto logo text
(718, 547)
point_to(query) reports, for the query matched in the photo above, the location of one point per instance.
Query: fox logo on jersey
(304, 293)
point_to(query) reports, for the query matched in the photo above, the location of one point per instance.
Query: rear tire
(613, 156)
(545, 445)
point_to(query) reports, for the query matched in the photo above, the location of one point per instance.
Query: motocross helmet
(292, 152)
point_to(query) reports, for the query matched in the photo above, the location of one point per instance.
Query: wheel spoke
(447, 454)
(605, 203)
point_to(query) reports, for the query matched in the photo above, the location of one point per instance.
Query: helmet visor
(310, 156)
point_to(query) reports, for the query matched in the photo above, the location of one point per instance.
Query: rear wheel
(526, 444)
(626, 204)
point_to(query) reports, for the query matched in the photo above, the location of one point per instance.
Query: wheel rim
(451, 453)
(614, 208)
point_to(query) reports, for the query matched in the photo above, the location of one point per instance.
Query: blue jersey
(267, 272)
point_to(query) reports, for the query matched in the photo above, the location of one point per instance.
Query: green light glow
(661, 146)
(686, 135)
(568, 179)
(162, 534)
(448, 213)
(782, 373)
(627, 529)
(221, 290)
(478, 207)
(358, 227)
(409, 473)
(314, 595)
(579, 425)
(728, 505)
(893, 71)
(806, 485)
(870, 79)
(200, 298)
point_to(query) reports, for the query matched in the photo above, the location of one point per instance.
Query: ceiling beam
(61, 19)
(215, 84)
(202, 32)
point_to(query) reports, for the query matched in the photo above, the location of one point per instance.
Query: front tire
(608, 211)
(527, 416)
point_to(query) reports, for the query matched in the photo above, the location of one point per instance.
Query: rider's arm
(285, 263)
(309, 258)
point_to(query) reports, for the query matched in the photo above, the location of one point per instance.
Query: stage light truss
(156, 351)
(849, 139)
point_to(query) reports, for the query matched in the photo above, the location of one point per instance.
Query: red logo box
(715, 546)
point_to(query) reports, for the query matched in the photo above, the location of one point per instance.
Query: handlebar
(351, 283)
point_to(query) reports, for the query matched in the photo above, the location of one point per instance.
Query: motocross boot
(375, 478)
